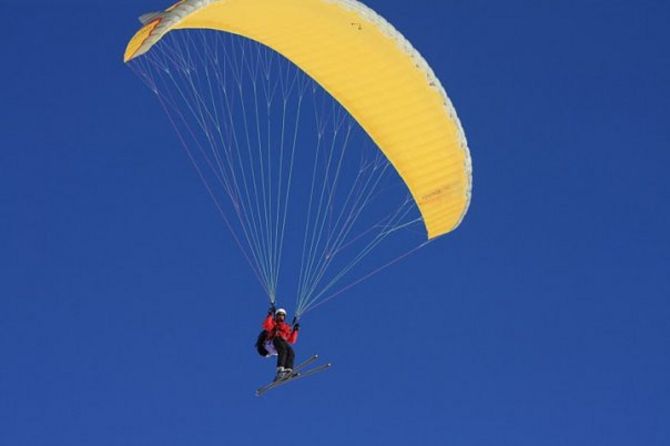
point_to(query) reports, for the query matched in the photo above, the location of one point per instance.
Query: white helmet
(280, 311)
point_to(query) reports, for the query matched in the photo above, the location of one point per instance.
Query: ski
(296, 369)
(293, 377)
(298, 372)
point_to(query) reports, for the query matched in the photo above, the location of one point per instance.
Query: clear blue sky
(127, 316)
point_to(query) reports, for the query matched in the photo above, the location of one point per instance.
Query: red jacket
(281, 329)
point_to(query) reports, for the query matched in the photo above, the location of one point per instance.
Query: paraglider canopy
(369, 68)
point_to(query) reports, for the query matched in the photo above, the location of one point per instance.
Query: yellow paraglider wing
(369, 68)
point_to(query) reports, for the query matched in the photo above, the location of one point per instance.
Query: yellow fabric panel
(139, 38)
(374, 78)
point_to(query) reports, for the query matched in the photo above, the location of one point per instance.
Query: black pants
(285, 354)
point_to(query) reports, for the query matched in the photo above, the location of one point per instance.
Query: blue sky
(127, 315)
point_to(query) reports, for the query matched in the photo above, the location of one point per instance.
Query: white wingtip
(148, 17)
